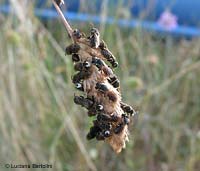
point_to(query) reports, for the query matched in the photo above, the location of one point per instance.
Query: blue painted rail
(187, 12)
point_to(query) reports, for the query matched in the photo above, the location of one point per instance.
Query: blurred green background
(39, 123)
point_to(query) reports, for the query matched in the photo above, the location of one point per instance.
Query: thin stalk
(65, 22)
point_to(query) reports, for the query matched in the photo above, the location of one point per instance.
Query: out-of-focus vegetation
(40, 124)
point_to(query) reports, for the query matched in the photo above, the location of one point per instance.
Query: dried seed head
(97, 80)
(99, 86)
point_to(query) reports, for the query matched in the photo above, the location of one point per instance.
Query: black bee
(101, 87)
(89, 103)
(75, 57)
(84, 102)
(94, 38)
(94, 131)
(95, 109)
(100, 64)
(82, 66)
(100, 129)
(120, 126)
(107, 118)
(73, 48)
(127, 108)
(77, 34)
(59, 2)
(113, 80)
(105, 128)
(104, 89)
(84, 74)
(108, 55)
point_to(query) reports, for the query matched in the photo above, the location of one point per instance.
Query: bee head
(107, 133)
(78, 85)
(115, 64)
(99, 107)
(94, 31)
(86, 64)
(125, 119)
(78, 99)
(77, 33)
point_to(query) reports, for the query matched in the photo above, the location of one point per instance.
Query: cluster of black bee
(104, 125)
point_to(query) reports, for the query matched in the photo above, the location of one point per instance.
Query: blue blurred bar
(146, 25)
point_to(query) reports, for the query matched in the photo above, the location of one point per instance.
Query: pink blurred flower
(168, 20)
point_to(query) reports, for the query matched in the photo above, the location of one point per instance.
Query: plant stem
(65, 22)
